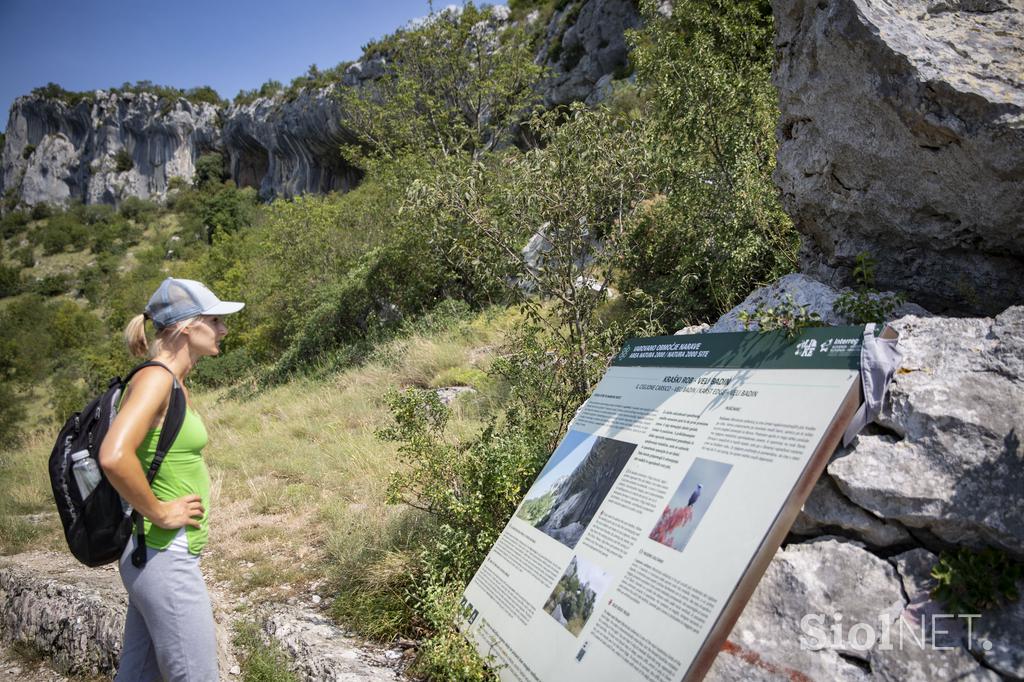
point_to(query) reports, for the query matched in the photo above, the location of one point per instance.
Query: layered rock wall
(289, 148)
(902, 135)
(55, 152)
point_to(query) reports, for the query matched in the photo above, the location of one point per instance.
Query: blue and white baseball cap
(180, 299)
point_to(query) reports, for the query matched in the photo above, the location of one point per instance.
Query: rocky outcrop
(104, 148)
(942, 467)
(73, 618)
(585, 49)
(71, 615)
(831, 610)
(951, 461)
(289, 148)
(902, 134)
(946, 457)
(801, 291)
(322, 652)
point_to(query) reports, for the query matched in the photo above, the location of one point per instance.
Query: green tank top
(183, 472)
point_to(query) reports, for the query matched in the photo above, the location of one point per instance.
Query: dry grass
(298, 476)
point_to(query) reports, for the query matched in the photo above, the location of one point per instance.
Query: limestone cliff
(942, 468)
(104, 148)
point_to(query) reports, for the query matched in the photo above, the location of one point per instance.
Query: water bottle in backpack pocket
(86, 473)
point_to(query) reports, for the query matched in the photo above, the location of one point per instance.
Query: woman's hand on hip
(184, 511)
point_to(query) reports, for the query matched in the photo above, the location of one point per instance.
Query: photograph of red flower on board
(685, 510)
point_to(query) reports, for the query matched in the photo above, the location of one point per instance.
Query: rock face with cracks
(831, 610)
(902, 134)
(102, 149)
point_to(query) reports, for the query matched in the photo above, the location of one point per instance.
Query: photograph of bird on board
(689, 503)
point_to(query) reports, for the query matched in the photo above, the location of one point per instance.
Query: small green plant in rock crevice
(865, 304)
(971, 581)
(260, 662)
(788, 316)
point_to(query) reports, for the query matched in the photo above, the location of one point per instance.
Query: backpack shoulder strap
(173, 421)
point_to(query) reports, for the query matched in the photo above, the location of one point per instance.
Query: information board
(636, 548)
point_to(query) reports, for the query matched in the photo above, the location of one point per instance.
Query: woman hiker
(169, 631)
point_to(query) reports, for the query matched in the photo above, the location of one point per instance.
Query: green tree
(210, 170)
(719, 230)
(456, 84)
(573, 202)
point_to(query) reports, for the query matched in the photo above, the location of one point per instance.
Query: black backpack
(97, 523)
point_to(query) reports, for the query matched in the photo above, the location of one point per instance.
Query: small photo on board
(689, 503)
(576, 593)
(573, 484)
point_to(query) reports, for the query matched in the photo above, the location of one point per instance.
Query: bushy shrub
(114, 236)
(25, 256)
(138, 210)
(123, 161)
(11, 403)
(448, 92)
(10, 280)
(975, 581)
(28, 151)
(718, 230)
(13, 223)
(61, 232)
(268, 89)
(864, 303)
(41, 211)
(210, 170)
(54, 91)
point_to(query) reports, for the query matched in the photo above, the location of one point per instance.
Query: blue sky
(563, 461)
(229, 45)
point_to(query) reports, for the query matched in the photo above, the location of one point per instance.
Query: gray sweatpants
(168, 632)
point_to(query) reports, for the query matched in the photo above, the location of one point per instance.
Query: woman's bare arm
(142, 405)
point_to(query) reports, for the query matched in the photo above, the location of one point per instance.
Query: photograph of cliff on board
(568, 492)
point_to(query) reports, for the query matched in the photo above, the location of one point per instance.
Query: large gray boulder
(947, 458)
(943, 466)
(827, 511)
(799, 290)
(55, 151)
(787, 630)
(902, 134)
(952, 462)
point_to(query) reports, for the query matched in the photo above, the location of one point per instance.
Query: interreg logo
(805, 349)
(624, 353)
(935, 631)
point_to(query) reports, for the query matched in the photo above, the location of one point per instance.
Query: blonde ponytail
(135, 336)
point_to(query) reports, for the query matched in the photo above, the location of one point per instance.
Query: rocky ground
(52, 609)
